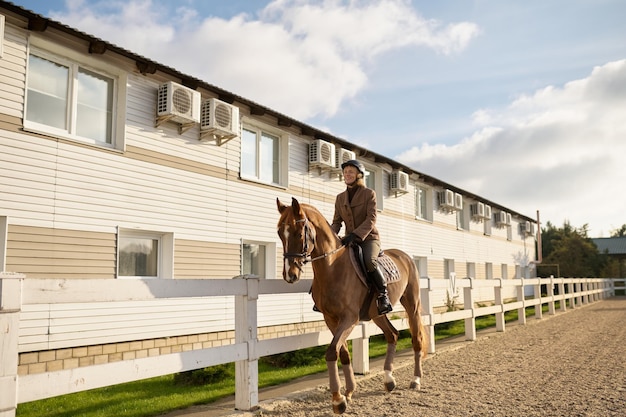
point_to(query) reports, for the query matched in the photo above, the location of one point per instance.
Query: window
(374, 180)
(258, 258)
(423, 203)
(143, 254)
(487, 224)
(462, 218)
(253, 259)
(422, 265)
(470, 268)
(73, 96)
(263, 156)
(504, 270)
(489, 270)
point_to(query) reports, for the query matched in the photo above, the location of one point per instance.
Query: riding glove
(348, 239)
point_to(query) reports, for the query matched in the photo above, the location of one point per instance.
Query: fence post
(521, 312)
(563, 304)
(247, 371)
(10, 307)
(468, 304)
(500, 321)
(361, 351)
(537, 296)
(550, 288)
(426, 297)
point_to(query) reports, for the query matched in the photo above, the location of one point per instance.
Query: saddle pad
(390, 270)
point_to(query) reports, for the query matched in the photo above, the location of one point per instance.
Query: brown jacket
(359, 215)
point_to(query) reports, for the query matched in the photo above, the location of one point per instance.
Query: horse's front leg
(348, 371)
(339, 401)
(338, 344)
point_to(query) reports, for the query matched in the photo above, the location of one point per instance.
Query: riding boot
(376, 277)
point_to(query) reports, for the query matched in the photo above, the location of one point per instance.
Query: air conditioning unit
(487, 212)
(321, 154)
(342, 155)
(458, 201)
(219, 119)
(446, 199)
(177, 103)
(527, 228)
(399, 182)
(500, 218)
(477, 211)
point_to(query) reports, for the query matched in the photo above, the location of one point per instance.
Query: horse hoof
(341, 406)
(414, 385)
(349, 397)
(390, 386)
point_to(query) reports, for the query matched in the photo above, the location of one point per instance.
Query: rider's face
(350, 174)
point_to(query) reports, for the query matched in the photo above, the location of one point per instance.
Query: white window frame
(269, 260)
(488, 270)
(427, 194)
(377, 185)
(487, 225)
(56, 53)
(471, 269)
(422, 265)
(165, 257)
(283, 152)
(463, 218)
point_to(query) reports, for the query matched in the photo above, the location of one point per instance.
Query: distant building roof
(611, 245)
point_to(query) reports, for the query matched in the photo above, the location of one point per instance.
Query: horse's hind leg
(391, 336)
(418, 336)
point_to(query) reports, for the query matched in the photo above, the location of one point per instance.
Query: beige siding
(12, 73)
(194, 259)
(58, 253)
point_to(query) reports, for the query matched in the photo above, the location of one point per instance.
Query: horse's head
(298, 237)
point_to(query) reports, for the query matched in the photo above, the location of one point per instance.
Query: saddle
(387, 266)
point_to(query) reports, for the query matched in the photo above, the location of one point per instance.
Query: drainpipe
(539, 247)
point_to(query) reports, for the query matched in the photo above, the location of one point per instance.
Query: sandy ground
(570, 364)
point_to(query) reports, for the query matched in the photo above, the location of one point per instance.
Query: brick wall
(69, 358)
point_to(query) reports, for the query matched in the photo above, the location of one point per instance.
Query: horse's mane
(317, 218)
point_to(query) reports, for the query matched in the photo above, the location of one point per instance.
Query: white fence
(40, 314)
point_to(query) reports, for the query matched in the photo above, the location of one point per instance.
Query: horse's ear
(297, 209)
(281, 206)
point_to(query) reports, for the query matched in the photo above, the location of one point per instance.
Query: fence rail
(18, 295)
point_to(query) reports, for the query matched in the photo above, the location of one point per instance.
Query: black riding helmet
(355, 164)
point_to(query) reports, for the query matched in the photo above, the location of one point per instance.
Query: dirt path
(571, 364)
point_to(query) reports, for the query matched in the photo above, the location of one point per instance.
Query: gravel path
(570, 364)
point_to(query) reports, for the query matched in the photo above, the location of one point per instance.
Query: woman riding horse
(356, 208)
(342, 296)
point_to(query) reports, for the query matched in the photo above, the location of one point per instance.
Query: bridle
(305, 255)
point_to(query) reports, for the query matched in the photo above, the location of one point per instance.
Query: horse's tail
(413, 304)
(420, 333)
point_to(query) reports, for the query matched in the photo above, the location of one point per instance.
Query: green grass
(151, 397)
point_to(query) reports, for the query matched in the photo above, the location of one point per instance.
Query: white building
(114, 166)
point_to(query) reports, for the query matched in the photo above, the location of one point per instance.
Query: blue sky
(521, 102)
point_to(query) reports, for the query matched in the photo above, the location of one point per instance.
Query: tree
(621, 232)
(573, 250)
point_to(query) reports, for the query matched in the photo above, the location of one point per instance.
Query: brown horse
(339, 293)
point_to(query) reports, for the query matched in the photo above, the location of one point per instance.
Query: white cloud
(302, 58)
(560, 150)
